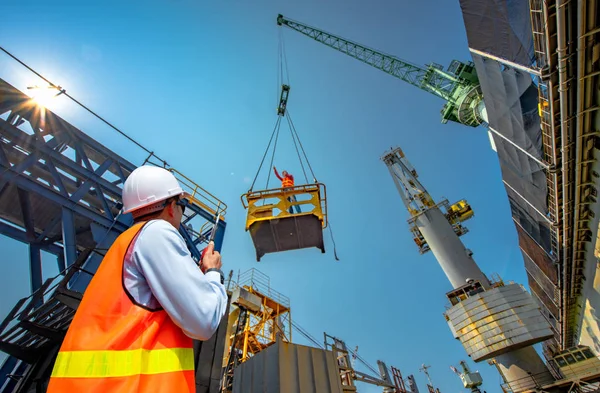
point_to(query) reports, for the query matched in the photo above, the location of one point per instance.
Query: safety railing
(200, 196)
(276, 203)
(528, 383)
(559, 377)
(261, 283)
(273, 318)
(496, 281)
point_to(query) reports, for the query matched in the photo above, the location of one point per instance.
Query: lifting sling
(290, 218)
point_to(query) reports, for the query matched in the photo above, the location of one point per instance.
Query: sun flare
(43, 95)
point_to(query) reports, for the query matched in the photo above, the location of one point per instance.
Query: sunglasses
(183, 203)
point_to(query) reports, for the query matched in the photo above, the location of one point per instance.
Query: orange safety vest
(115, 345)
(287, 182)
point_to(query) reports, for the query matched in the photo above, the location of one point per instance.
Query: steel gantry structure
(60, 192)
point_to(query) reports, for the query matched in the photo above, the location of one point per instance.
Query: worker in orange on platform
(287, 183)
(133, 329)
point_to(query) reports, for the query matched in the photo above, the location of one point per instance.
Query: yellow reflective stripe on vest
(99, 364)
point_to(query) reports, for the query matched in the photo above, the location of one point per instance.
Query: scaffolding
(264, 324)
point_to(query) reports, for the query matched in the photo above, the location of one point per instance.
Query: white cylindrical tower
(449, 251)
(492, 320)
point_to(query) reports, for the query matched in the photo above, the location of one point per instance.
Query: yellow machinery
(460, 210)
(264, 323)
(260, 317)
(418, 201)
(273, 228)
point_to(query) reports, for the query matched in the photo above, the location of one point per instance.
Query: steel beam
(21, 236)
(47, 150)
(82, 210)
(35, 267)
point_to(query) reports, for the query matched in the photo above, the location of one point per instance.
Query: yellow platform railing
(201, 197)
(259, 209)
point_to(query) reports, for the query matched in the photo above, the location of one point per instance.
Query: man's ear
(171, 209)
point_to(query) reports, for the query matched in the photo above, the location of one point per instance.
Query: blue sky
(197, 83)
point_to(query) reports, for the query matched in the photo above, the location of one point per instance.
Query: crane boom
(481, 302)
(458, 85)
(438, 83)
(436, 227)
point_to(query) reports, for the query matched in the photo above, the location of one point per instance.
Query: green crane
(458, 85)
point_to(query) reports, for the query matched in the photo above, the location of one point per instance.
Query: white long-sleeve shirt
(159, 272)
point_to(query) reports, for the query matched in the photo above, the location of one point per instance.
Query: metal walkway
(60, 192)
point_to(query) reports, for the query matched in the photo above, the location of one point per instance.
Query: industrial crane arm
(458, 85)
(431, 79)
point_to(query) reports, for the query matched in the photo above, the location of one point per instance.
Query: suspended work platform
(275, 224)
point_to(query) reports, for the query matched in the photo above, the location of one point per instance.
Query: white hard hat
(148, 185)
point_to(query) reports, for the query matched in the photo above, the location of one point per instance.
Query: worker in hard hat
(133, 329)
(287, 183)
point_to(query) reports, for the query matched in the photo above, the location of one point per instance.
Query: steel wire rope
(332, 240)
(301, 146)
(279, 74)
(297, 151)
(356, 355)
(275, 132)
(285, 78)
(293, 129)
(284, 57)
(273, 155)
(275, 129)
(307, 335)
(63, 91)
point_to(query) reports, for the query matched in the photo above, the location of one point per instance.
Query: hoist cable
(293, 130)
(287, 71)
(279, 73)
(364, 362)
(332, 241)
(307, 335)
(301, 147)
(274, 149)
(297, 151)
(280, 64)
(266, 151)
